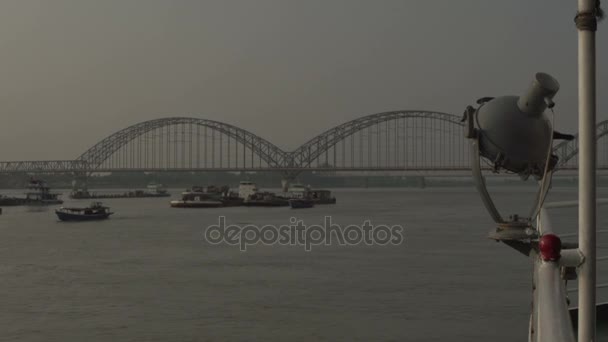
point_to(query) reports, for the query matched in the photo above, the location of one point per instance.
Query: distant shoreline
(273, 180)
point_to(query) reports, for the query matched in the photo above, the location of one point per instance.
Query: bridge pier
(288, 178)
(285, 184)
(80, 181)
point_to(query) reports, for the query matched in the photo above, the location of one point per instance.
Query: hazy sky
(73, 72)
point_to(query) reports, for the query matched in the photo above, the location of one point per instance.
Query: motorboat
(96, 211)
(39, 193)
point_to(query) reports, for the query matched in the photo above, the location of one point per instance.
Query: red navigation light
(550, 246)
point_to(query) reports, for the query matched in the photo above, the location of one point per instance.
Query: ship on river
(7, 201)
(248, 195)
(265, 199)
(153, 190)
(96, 211)
(318, 196)
(38, 193)
(206, 197)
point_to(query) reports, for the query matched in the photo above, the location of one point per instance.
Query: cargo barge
(38, 193)
(318, 196)
(248, 195)
(265, 199)
(207, 197)
(153, 190)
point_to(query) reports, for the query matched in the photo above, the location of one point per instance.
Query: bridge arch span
(568, 150)
(408, 140)
(381, 141)
(182, 143)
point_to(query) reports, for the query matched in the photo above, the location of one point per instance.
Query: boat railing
(597, 259)
(551, 319)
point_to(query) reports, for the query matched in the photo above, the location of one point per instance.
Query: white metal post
(586, 24)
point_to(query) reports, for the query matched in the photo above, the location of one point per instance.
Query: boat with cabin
(201, 197)
(39, 193)
(96, 211)
(297, 190)
(252, 197)
(322, 197)
(246, 189)
(318, 196)
(156, 190)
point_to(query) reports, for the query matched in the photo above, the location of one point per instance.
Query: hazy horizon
(74, 72)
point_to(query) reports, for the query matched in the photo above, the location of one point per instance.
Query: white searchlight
(514, 135)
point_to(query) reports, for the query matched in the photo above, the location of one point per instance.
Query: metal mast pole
(586, 23)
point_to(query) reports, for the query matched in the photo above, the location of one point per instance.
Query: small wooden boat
(96, 211)
(300, 203)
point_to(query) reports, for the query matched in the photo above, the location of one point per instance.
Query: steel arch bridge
(418, 140)
(181, 143)
(412, 140)
(567, 151)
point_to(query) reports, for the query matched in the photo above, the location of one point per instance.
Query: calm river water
(147, 274)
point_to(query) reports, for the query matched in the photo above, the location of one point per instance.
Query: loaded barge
(153, 190)
(248, 195)
(318, 196)
(207, 197)
(38, 193)
(266, 199)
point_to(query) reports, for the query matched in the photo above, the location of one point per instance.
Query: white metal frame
(587, 156)
(550, 319)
